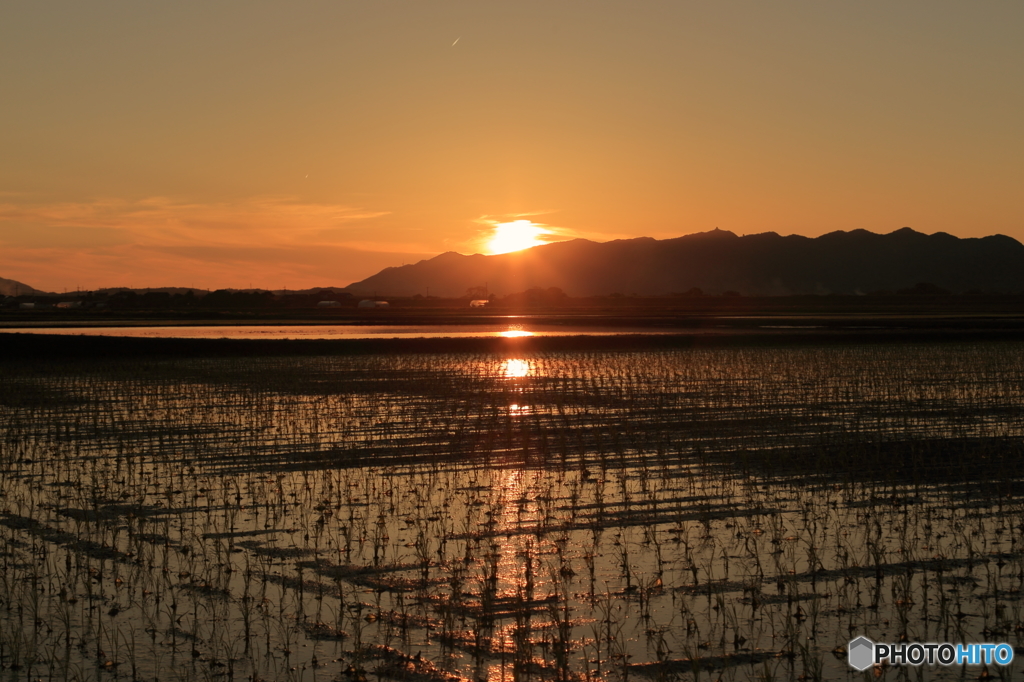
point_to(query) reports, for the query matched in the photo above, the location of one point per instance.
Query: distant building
(478, 303)
(69, 304)
(328, 304)
(369, 303)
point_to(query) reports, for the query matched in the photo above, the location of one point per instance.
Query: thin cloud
(163, 221)
(158, 241)
(203, 266)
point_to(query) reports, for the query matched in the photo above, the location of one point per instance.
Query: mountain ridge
(12, 287)
(718, 261)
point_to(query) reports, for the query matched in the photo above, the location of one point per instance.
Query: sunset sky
(270, 144)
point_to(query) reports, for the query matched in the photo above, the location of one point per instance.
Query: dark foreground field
(736, 505)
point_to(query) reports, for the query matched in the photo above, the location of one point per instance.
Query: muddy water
(737, 513)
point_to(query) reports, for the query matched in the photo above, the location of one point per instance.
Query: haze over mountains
(716, 262)
(768, 264)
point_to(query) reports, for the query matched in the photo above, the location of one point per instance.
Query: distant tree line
(222, 299)
(537, 297)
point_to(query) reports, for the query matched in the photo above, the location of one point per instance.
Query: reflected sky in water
(335, 331)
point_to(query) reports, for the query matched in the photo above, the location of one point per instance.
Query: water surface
(553, 516)
(339, 331)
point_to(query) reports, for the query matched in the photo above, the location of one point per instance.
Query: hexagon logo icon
(860, 653)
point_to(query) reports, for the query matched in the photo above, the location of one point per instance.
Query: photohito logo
(862, 653)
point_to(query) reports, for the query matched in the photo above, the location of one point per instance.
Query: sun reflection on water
(516, 410)
(515, 369)
(520, 584)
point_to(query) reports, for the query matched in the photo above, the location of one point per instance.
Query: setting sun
(515, 236)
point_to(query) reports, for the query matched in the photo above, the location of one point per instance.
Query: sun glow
(515, 236)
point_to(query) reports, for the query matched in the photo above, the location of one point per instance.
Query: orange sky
(278, 145)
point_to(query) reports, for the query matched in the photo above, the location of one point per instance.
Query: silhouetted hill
(719, 261)
(10, 287)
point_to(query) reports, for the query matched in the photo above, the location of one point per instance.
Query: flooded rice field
(508, 327)
(734, 514)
